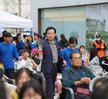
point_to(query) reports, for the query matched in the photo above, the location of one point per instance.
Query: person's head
(4, 32)
(99, 81)
(7, 37)
(72, 42)
(4, 92)
(27, 46)
(25, 53)
(44, 35)
(82, 49)
(106, 54)
(30, 38)
(101, 92)
(25, 37)
(35, 36)
(11, 38)
(92, 52)
(31, 89)
(34, 52)
(63, 38)
(98, 37)
(14, 42)
(75, 59)
(19, 36)
(51, 33)
(21, 76)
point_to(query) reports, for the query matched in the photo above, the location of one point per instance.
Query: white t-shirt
(25, 63)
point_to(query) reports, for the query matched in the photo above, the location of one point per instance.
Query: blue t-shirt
(65, 53)
(7, 52)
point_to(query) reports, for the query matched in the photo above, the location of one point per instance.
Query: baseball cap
(98, 36)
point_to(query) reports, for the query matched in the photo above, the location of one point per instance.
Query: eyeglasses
(77, 58)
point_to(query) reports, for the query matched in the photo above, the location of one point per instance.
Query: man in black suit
(51, 57)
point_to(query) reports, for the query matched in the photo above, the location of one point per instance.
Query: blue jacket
(69, 77)
(7, 52)
(47, 61)
(19, 46)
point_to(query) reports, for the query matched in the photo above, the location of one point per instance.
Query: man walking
(51, 56)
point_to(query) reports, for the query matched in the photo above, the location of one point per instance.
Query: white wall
(36, 4)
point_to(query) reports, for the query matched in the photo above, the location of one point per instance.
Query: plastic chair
(105, 75)
(71, 92)
(11, 81)
(92, 82)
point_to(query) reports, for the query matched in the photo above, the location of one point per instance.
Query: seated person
(4, 92)
(84, 54)
(104, 61)
(26, 61)
(77, 76)
(93, 62)
(21, 76)
(101, 92)
(34, 56)
(99, 81)
(32, 90)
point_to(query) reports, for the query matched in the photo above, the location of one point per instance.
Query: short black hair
(82, 46)
(71, 55)
(72, 40)
(50, 28)
(36, 34)
(25, 36)
(18, 34)
(101, 92)
(101, 79)
(7, 34)
(25, 50)
(4, 32)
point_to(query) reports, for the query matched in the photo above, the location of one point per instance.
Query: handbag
(82, 91)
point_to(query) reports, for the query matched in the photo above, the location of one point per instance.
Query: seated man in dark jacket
(104, 61)
(77, 76)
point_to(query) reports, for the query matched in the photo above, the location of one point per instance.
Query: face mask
(98, 39)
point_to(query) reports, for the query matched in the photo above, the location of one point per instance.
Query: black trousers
(50, 82)
(10, 73)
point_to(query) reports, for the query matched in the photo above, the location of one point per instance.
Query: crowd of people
(33, 63)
